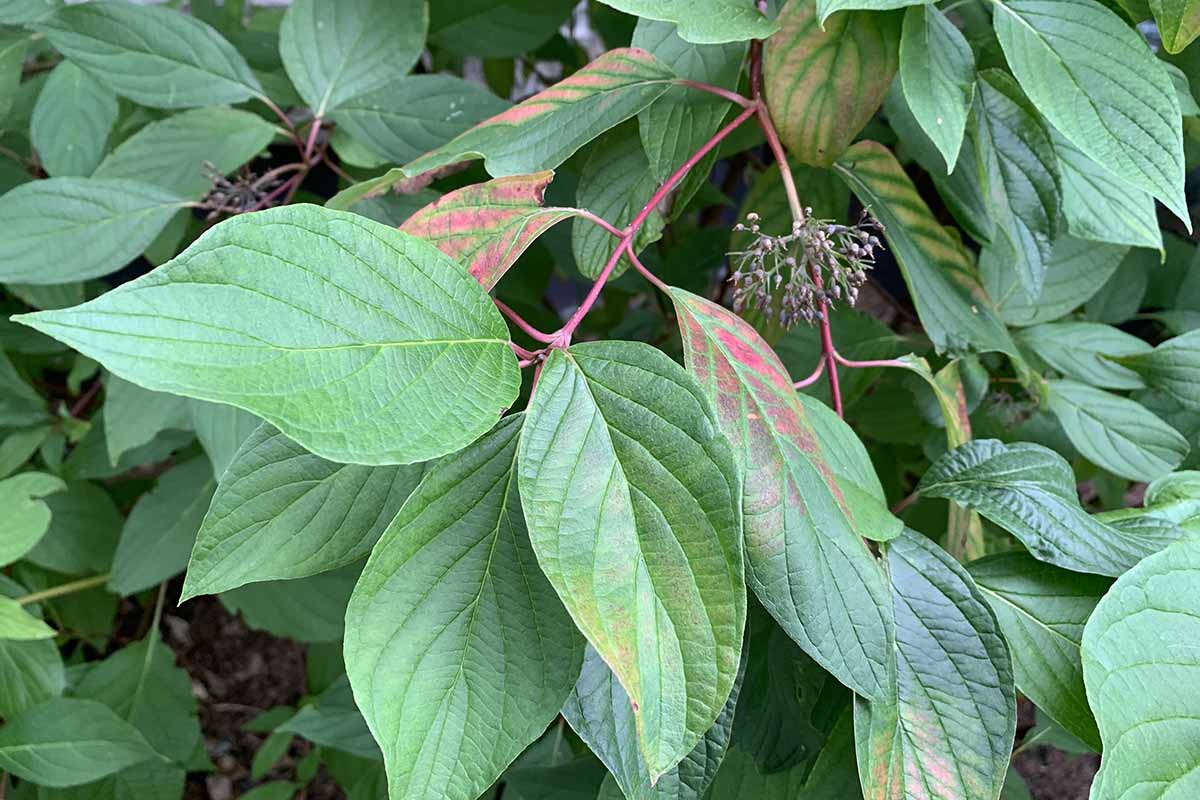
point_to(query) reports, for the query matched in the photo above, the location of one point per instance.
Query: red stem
(563, 337)
(733, 97)
(312, 140)
(599, 221)
(646, 273)
(519, 321)
(827, 350)
(813, 378)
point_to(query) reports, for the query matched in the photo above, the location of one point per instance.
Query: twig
(646, 273)
(85, 399)
(596, 219)
(733, 97)
(813, 377)
(913, 497)
(519, 321)
(311, 144)
(80, 585)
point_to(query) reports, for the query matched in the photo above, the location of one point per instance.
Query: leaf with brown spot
(807, 562)
(824, 85)
(487, 226)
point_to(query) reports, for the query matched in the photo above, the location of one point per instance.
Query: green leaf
(221, 430)
(827, 7)
(615, 183)
(620, 439)
(13, 45)
(17, 447)
(21, 12)
(281, 512)
(496, 28)
(1042, 611)
(84, 527)
(333, 720)
(20, 404)
(951, 720)
(1173, 499)
(69, 229)
(311, 609)
(1141, 675)
(65, 742)
(1096, 81)
(600, 712)
(17, 624)
(1029, 490)
(149, 780)
(789, 703)
(334, 50)
(824, 81)
(413, 115)
(72, 100)
(452, 629)
(133, 416)
(678, 123)
(415, 362)
(953, 307)
(172, 152)
(1017, 161)
(487, 226)
(961, 190)
(143, 686)
(1100, 206)
(808, 565)
(1178, 22)
(30, 673)
(704, 21)
(161, 529)
(1116, 433)
(937, 71)
(27, 517)
(545, 130)
(1173, 367)
(854, 474)
(1082, 350)
(1076, 271)
(153, 55)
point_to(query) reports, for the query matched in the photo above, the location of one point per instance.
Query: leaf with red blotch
(548, 128)
(487, 226)
(808, 563)
(946, 729)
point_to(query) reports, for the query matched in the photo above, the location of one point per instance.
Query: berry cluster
(818, 263)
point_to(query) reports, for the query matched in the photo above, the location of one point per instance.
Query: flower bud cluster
(819, 263)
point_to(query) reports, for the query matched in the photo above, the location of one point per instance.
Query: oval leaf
(1095, 79)
(70, 229)
(1042, 611)
(704, 21)
(66, 742)
(364, 344)
(937, 72)
(1142, 670)
(75, 102)
(334, 50)
(824, 83)
(459, 653)
(154, 55)
(280, 512)
(947, 730)
(630, 493)
(808, 565)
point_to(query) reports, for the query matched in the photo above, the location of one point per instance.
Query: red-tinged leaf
(824, 81)
(548, 128)
(808, 564)
(487, 226)
(945, 731)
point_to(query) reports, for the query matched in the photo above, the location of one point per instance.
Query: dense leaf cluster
(644, 506)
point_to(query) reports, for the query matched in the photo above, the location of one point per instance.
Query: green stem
(81, 585)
